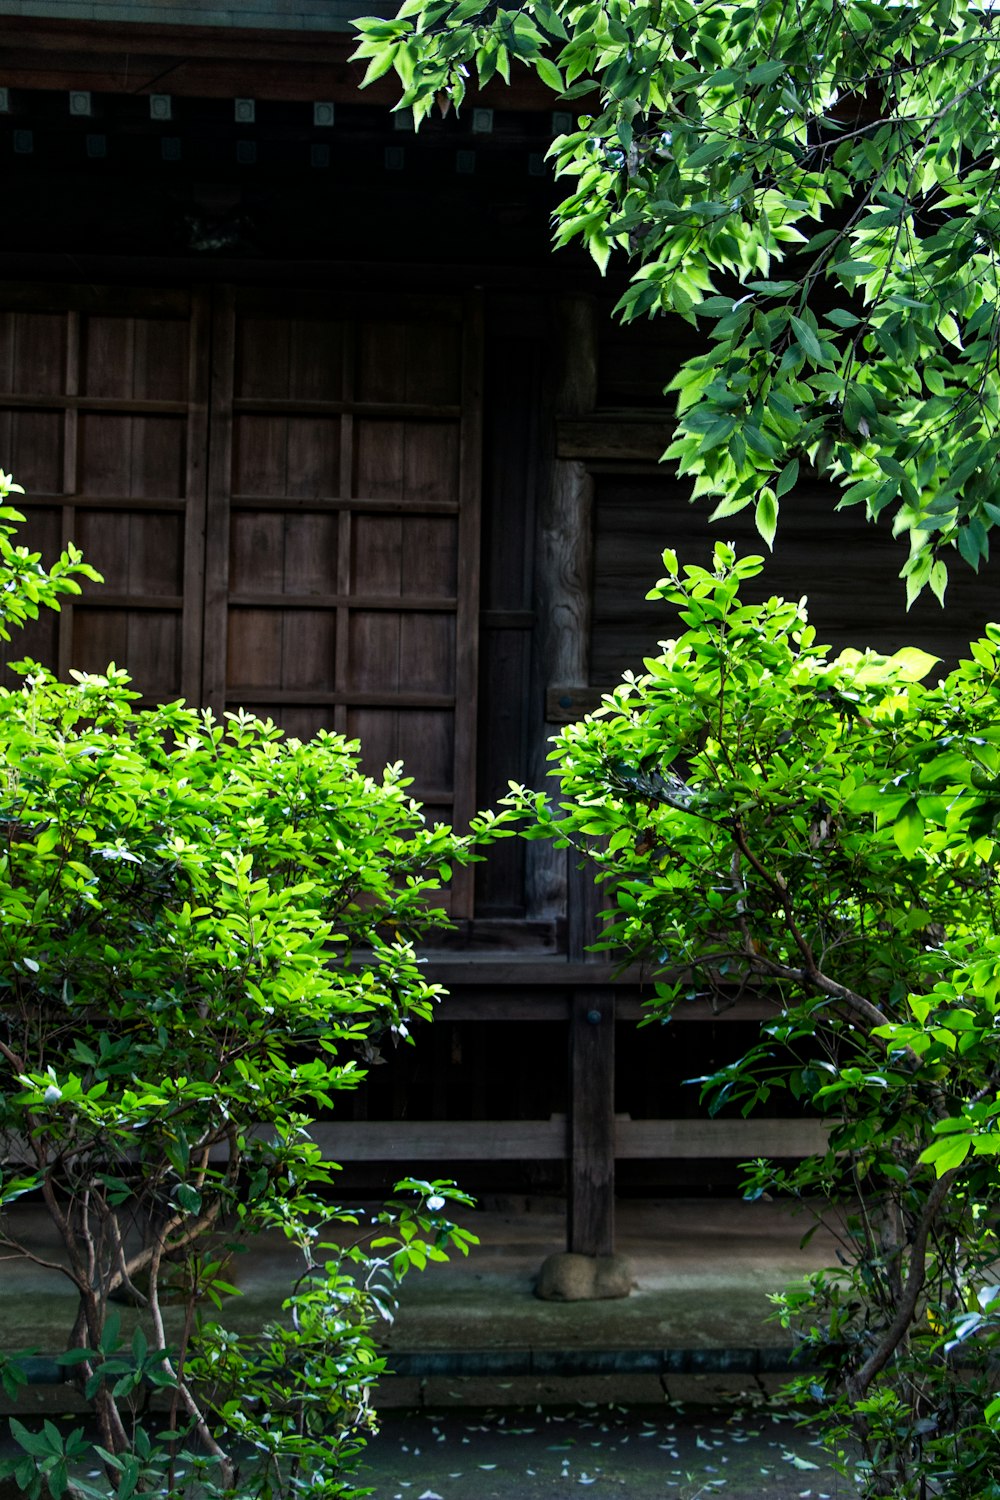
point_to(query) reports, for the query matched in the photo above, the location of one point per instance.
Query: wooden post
(220, 488)
(591, 1203)
(563, 570)
(563, 584)
(585, 899)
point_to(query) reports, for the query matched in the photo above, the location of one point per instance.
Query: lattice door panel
(344, 529)
(103, 409)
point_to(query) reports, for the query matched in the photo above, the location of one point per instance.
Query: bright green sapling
(203, 925)
(821, 832)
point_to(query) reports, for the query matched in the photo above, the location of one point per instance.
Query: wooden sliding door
(282, 492)
(342, 584)
(103, 420)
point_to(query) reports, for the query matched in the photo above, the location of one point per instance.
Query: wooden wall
(847, 567)
(283, 497)
(281, 15)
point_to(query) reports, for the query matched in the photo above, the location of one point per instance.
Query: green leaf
(74, 1356)
(766, 72)
(840, 317)
(853, 268)
(912, 664)
(766, 516)
(947, 1153)
(806, 338)
(706, 154)
(110, 1339)
(379, 65)
(787, 479)
(938, 580)
(187, 1198)
(549, 74)
(908, 829)
(32, 1442)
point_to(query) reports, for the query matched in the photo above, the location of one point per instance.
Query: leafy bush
(822, 833)
(203, 926)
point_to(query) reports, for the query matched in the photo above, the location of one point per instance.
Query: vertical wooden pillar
(467, 609)
(555, 888)
(591, 1203)
(220, 488)
(196, 487)
(585, 899)
(563, 573)
(70, 484)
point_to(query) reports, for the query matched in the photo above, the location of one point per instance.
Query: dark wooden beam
(586, 900)
(590, 1228)
(616, 437)
(215, 62)
(531, 1002)
(518, 971)
(546, 1140)
(742, 1140)
(563, 566)
(564, 704)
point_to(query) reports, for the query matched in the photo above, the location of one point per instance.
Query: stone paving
(507, 1397)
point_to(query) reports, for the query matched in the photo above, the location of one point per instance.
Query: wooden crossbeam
(543, 1140)
(548, 1140)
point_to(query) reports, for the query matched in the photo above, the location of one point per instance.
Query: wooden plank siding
(509, 720)
(282, 15)
(847, 568)
(242, 53)
(102, 420)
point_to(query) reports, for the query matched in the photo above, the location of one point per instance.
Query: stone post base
(584, 1278)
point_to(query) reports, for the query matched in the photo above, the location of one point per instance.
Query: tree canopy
(820, 835)
(812, 185)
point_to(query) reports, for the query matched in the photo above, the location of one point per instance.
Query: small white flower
(435, 1202)
(52, 1094)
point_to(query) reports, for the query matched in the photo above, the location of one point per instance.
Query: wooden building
(352, 448)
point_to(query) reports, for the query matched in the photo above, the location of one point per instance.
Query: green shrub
(821, 833)
(203, 927)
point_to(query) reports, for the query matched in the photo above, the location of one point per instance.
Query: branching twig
(208, 1442)
(858, 1384)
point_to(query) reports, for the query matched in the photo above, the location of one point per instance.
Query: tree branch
(858, 1384)
(208, 1442)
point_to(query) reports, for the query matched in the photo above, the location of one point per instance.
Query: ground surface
(671, 1451)
(608, 1452)
(704, 1271)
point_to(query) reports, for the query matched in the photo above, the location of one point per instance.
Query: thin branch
(208, 1442)
(858, 1384)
